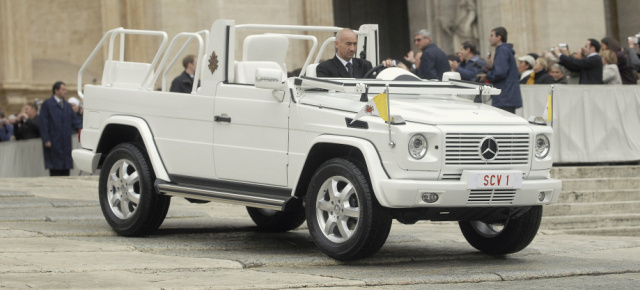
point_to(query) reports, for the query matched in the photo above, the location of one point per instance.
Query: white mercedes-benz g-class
(291, 149)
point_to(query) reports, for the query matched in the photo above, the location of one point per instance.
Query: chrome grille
(491, 196)
(463, 148)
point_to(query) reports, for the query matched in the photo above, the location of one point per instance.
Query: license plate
(491, 180)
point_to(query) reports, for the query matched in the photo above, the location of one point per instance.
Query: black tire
(277, 221)
(349, 224)
(515, 234)
(127, 169)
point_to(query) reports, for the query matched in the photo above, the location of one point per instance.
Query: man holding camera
(471, 64)
(588, 62)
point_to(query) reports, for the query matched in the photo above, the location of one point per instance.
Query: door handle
(222, 118)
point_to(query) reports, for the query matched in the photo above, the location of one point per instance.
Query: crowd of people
(53, 120)
(597, 62)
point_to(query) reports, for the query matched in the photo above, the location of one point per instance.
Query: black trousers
(58, 172)
(511, 110)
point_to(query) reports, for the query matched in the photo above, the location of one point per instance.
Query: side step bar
(274, 203)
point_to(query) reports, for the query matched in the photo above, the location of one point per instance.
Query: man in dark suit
(344, 65)
(56, 121)
(588, 62)
(184, 82)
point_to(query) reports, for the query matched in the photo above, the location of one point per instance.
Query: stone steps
(596, 200)
(577, 222)
(595, 172)
(592, 208)
(633, 231)
(608, 183)
(582, 196)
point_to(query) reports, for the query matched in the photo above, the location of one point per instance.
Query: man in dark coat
(344, 64)
(56, 122)
(29, 125)
(588, 62)
(433, 62)
(504, 74)
(184, 82)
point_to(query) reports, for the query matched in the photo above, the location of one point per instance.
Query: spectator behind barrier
(540, 75)
(559, 74)
(610, 73)
(588, 62)
(627, 74)
(525, 67)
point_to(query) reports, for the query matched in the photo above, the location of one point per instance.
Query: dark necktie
(350, 69)
(61, 104)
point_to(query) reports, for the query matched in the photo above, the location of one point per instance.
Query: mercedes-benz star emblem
(488, 148)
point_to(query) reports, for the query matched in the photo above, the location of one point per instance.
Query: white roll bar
(111, 34)
(190, 36)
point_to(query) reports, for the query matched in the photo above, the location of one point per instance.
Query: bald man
(344, 65)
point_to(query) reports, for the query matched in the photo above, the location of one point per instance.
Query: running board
(274, 203)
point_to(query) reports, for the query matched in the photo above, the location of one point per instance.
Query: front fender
(147, 137)
(375, 169)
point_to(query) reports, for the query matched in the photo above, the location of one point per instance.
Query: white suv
(289, 149)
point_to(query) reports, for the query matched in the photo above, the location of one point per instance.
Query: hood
(426, 110)
(509, 46)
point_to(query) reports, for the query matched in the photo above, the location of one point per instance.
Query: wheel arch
(121, 129)
(326, 147)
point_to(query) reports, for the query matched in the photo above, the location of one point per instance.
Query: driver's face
(346, 45)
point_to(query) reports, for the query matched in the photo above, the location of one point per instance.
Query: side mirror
(268, 78)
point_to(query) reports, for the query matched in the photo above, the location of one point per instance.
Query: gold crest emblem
(213, 62)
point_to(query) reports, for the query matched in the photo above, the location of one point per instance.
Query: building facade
(43, 41)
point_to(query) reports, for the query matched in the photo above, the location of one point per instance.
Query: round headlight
(418, 146)
(542, 146)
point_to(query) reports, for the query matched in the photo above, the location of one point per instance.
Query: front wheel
(127, 197)
(504, 237)
(344, 218)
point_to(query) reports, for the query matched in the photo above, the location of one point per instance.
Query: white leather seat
(261, 51)
(245, 72)
(266, 47)
(311, 70)
(125, 74)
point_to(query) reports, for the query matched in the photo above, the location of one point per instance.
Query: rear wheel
(127, 197)
(503, 237)
(277, 221)
(344, 218)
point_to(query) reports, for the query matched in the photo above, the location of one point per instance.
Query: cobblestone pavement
(53, 235)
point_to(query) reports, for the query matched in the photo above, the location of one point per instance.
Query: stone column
(318, 13)
(15, 71)
(535, 26)
(628, 21)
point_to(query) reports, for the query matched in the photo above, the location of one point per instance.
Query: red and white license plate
(497, 179)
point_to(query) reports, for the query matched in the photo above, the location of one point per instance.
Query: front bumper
(86, 160)
(396, 193)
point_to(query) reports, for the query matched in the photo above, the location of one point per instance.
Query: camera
(563, 45)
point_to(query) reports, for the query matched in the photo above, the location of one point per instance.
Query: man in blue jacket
(471, 64)
(433, 62)
(504, 74)
(57, 119)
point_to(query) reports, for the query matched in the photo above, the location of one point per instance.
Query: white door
(250, 135)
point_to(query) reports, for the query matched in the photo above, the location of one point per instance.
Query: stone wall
(533, 26)
(43, 41)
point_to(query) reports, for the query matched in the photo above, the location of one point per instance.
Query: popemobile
(346, 155)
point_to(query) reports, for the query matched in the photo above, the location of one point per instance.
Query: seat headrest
(266, 47)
